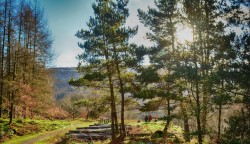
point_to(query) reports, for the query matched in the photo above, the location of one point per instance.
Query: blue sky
(66, 17)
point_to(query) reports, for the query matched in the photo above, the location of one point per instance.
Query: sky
(66, 17)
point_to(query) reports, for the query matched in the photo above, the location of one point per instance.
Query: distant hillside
(61, 77)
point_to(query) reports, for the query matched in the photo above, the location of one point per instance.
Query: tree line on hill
(199, 77)
(26, 85)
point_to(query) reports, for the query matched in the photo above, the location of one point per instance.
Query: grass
(54, 139)
(176, 132)
(41, 131)
(155, 126)
(58, 136)
(18, 139)
(22, 130)
(145, 127)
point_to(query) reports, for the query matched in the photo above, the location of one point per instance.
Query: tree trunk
(245, 126)
(198, 112)
(197, 100)
(2, 58)
(123, 131)
(35, 41)
(87, 116)
(204, 112)
(11, 112)
(112, 106)
(114, 123)
(219, 125)
(172, 36)
(185, 121)
(20, 22)
(122, 115)
(186, 128)
(246, 100)
(12, 96)
(207, 53)
(165, 131)
(9, 94)
(24, 114)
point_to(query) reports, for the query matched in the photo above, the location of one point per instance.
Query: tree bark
(198, 112)
(123, 131)
(35, 41)
(113, 128)
(219, 125)
(2, 58)
(165, 131)
(114, 122)
(186, 128)
(9, 94)
(185, 121)
(197, 92)
(12, 96)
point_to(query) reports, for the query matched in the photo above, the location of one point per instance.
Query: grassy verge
(22, 130)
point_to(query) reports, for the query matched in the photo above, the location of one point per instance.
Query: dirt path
(50, 134)
(46, 135)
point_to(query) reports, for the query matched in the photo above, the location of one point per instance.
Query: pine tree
(201, 16)
(98, 50)
(107, 50)
(162, 22)
(237, 57)
(121, 50)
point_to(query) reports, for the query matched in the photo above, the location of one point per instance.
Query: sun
(184, 34)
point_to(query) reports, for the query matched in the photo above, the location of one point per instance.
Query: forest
(26, 84)
(201, 84)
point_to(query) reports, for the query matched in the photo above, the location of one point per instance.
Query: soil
(48, 135)
(44, 136)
